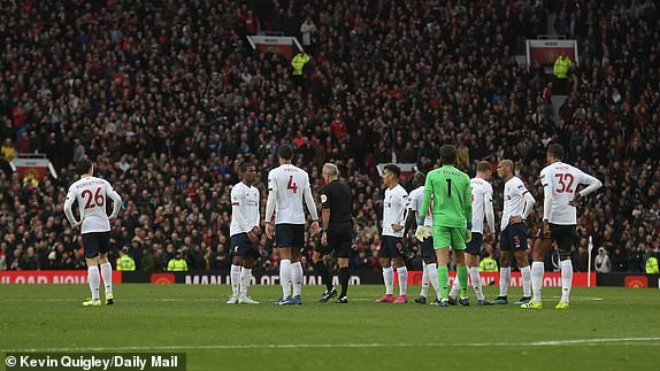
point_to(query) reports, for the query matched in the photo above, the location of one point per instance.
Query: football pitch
(605, 329)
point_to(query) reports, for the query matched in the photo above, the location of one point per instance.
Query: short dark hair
(484, 166)
(243, 166)
(83, 166)
(448, 154)
(286, 152)
(393, 169)
(557, 151)
(419, 179)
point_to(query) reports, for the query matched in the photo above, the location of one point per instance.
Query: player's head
(448, 154)
(505, 169)
(124, 250)
(286, 154)
(84, 167)
(555, 153)
(484, 170)
(391, 175)
(419, 179)
(330, 172)
(247, 172)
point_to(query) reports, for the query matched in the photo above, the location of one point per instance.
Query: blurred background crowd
(167, 97)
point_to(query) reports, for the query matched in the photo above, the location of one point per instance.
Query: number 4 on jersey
(292, 185)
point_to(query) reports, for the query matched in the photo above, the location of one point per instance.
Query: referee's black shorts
(340, 240)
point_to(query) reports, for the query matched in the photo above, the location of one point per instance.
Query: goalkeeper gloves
(423, 232)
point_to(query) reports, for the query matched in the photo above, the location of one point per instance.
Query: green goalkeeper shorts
(448, 236)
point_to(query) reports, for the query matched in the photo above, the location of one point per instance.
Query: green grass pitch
(605, 329)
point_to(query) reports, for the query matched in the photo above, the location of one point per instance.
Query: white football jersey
(395, 205)
(92, 194)
(289, 184)
(514, 203)
(482, 192)
(244, 209)
(416, 197)
(563, 179)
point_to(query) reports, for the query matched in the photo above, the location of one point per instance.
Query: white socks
(235, 275)
(426, 281)
(388, 278)
(526, 274)
(505, 276)
(296, 278)
(94, 281)
(455, 288)
(285, 277)
(433, 277)
(246, 277)
(403, 280)
(106, 273)
(538, 269)
(476, 282)
(566, 279)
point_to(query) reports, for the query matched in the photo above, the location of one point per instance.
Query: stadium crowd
(167, 97)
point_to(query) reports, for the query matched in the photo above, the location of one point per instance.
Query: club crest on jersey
(324, 198)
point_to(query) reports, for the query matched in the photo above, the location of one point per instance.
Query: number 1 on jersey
(448, 187)
(292, 185)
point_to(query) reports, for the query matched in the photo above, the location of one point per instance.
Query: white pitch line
(631, 341)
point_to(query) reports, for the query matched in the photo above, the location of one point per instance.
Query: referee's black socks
(325, 275)
(344, 275)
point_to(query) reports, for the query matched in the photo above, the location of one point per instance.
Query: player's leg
(400, 264)
(541, 247)
(385, 260)
(566, 237)
(458, 246)
(344, 251)
(235, 276)
(283, 242)
(91, 248)
(506, 250)
(320, 267)
(430, 260)
(426, 282)
(522, 259)
(105, 266)
(441, 243)
(296, 275)
(246, 276)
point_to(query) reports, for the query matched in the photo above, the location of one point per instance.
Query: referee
(337, 214)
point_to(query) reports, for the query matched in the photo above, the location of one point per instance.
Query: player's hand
(574, 202)
(397, 227)
(256, 231)
(468, 235)
(515, 219)
(546, 229)
(420, 233)
(76, 225)
(269, 230)
(314, 229)
(324, 238)
(252, 237)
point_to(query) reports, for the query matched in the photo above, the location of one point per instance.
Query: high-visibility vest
(125, 263)
(298, 63)
(177, 265)
(561, 67)
(488, 265)
(652, 265)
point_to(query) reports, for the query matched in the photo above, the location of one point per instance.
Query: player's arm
(311, 207)
(116, 200)
(428, 193)
(399, 224)
(236, 200)
(70, 198)
(270, 203)
(412, 215)
(325, 216)
(547, 204)
(592, 183)
(529, 201)
(488, 209)
(467, 202)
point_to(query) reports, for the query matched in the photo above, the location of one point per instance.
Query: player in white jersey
(560, 182)
(518, 203)
(91, 193)
(482, 205)
(424, 234)
(287, 187)
(392, 252)
(244, 233)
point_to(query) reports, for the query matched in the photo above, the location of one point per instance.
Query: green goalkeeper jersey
(449, 188)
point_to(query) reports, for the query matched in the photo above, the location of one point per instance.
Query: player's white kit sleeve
(309, 200)
(529, 202)
(68, 203)
(488, 208)
(257, 215)
(237, 196)
(592, 184)
(547, 195)
(116, 198)
(405, 205)
(272, 197)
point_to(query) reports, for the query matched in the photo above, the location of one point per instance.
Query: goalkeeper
(423, 235)
(449, 188)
